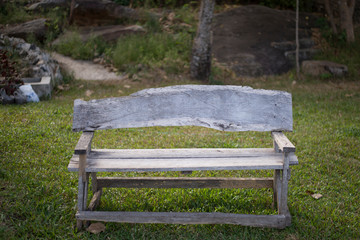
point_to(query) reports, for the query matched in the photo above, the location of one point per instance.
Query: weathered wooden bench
(227, 108)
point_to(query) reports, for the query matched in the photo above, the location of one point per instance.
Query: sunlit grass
(38, 194)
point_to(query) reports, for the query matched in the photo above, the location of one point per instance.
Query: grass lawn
(38, 195)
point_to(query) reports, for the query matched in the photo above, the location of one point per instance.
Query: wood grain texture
(84, 144)
(95, 200)
(125, 160)
(227, 108)
(282, 142)
(274, 221)
(184, 182)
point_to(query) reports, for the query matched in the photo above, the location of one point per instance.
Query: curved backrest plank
(227, 108)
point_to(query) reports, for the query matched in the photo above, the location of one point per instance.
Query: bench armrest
(283, 142)
(84, 144)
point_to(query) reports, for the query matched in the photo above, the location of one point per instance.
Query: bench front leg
(283, 207)
(82, 195)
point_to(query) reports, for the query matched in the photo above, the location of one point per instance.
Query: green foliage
(339, 51)
(72, 45)
(58, 21)
(13, 12)
(160, 49)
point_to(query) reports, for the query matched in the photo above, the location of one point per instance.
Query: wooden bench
(226, 108)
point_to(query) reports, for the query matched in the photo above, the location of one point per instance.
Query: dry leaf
(81, 86)
(317, 196)
(127, 86)
(88, 93)
(60, 87)
(96, 228)
(171, 16)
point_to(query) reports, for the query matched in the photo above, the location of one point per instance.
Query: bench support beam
(274, 221)
(183, 182)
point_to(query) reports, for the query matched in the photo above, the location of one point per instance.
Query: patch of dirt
(243, 36)
(85, 70)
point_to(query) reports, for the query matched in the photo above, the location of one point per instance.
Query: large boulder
(97, 13)
(36, 28)
(319, 68)
(49, 4)
(253, 40)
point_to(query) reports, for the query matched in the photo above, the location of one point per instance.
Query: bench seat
(193, 159)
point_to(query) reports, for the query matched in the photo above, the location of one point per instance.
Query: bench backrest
(227, 108)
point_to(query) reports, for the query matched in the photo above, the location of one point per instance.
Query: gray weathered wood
(277, 188)
(284, 185)
(184, 182)
(275, 221)
(228, 108)
(125, 160)
(84, 144)
(282, 142)
(95, 200)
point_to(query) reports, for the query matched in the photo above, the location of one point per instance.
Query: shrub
(152, 49)
(76, 48)
(11, 80)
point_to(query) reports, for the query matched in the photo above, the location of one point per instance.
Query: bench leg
(276, 188)
(82, 197)
(97, 192)
(283, 207)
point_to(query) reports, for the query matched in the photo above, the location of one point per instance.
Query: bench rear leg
(97, 192)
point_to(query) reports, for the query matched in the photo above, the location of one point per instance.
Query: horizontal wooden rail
(274, 221)
(184, 182)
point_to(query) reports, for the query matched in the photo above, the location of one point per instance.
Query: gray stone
(41, 64)
(318, 68)
(108, 33)
(250, 30)
(48, 4)
(102, 12)
(36, 28)
(304, 54)
(291, 45)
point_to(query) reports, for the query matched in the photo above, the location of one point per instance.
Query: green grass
(38, 194)
(170, 52)
(72, 45)
(14, 12)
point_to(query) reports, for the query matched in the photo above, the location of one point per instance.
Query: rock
(49, 4)
(318, 68)
(108, 33)
(103, 12)
(291, 45)
(304, 54)
(40, 62)
(36, 28)
(251, 30)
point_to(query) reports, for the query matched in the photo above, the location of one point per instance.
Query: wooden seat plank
(125, 160)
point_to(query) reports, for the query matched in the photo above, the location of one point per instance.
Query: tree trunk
(331, 16)
(200, 65)
(297, 41)
(346, 9)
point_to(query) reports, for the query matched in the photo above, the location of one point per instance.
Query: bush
(11, 80)
(76, 48)
(152, 49)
